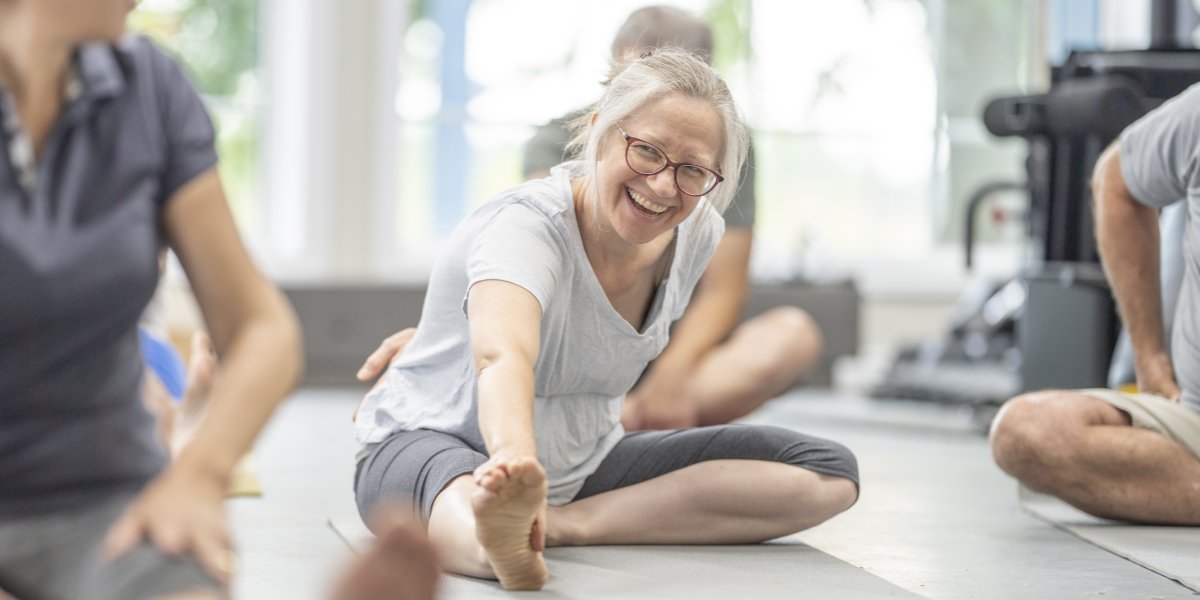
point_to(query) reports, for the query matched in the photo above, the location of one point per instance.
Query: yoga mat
(694, 572)
(1173, 552)
(243, 482)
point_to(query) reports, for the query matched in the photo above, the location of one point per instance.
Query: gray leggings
(57, 556)
(415, 466)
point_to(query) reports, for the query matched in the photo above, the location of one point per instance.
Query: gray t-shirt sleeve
(742, 210)
(518, 245)
(1158, 152)
(189, 137)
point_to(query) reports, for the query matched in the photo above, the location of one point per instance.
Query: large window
(217, 40)
(865, 113)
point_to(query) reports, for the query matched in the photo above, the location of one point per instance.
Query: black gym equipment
(1061, 330)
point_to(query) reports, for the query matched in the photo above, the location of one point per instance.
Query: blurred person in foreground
(107, 156)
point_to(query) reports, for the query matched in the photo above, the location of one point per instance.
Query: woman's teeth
(644, 203)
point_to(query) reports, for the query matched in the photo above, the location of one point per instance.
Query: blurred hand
(158, 402)
(181, 512)
(1155, 375)
(388, 351)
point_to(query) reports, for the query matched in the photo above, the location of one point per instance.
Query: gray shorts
(413, 467)
(57, 557)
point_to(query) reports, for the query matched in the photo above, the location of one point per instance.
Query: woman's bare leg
(712, 502)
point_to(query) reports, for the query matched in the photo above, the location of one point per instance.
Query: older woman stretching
(501, 421)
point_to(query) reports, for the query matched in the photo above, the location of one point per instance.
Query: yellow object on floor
(243, 483)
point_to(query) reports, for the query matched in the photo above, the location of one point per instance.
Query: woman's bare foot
(202, 366)
(399, 566)
(506, 506)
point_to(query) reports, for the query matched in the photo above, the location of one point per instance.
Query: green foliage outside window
(217, 41)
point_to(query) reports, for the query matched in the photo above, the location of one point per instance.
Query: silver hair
(633, 83)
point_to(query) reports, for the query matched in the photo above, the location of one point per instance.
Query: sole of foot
(505, 508)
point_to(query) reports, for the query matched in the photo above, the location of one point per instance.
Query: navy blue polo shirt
(78, 264)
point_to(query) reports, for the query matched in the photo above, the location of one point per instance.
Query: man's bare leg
(1084, 451)
(763, 358)
(400, 565)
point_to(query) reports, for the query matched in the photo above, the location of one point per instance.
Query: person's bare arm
(258, 340)
(715, 309)
(1128, 237)
(505, 324)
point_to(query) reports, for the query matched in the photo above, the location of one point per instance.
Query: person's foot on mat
(400, 565)
(506, 507)
(202, 366)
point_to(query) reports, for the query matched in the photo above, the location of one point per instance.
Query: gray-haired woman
(501, 420)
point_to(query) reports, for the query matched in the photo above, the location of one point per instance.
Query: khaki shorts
(1149, 411)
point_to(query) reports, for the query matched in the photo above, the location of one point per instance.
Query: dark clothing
(78, 264)
(59, 556)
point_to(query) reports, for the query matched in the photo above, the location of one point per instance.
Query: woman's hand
(182, 511)
(389, 350)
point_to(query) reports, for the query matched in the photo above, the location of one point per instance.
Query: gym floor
(936, 518)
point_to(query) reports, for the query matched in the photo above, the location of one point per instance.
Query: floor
(936, 518)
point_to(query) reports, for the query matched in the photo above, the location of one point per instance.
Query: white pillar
(328, 193)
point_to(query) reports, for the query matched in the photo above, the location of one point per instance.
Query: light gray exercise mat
(694, 572)
(1173, 552)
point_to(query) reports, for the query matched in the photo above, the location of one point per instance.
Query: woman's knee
(834, 465)
(839, 472)
(825, 496)
(813, 453)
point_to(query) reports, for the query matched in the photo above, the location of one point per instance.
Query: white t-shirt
(590, 356)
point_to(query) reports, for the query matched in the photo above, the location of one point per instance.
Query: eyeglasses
(646, 159)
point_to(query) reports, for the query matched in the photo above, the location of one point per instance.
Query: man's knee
(793, 342)
(1035, 431)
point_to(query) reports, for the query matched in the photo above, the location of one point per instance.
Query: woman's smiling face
(640, 208)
